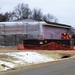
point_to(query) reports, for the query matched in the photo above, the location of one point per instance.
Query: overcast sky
(64, 10)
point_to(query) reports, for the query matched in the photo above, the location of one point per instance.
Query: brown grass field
(55, 54)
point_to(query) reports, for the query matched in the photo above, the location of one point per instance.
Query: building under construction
(13, 32)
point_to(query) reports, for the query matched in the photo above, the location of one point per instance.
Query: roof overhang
(60, 26)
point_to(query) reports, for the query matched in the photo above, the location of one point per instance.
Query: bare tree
(22, 11)
(3, 17)
(11, 16)
(7, 16)
(37, 14)
(50, 18)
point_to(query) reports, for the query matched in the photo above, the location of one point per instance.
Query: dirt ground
(14, 49)
(8, 48)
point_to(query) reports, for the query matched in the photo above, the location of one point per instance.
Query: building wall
(54, 32)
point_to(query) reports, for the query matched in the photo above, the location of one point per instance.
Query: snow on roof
(33, 22)
(22, 22)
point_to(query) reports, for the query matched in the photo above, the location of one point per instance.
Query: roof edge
(57, 25)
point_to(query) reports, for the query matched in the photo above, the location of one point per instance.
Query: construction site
(37, 35)
(17, 31)
(28, 44)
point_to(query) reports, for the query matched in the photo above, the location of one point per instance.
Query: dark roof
(58, 24)
(52, 24)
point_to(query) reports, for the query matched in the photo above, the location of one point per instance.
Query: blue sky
(64, 10)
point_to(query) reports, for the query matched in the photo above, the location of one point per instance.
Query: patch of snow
(24, 58)
(8, 64)
(19, 62)
(30, 57)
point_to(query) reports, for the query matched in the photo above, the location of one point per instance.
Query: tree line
(23, 11)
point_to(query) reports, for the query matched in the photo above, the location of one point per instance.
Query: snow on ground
(24, 58)
(30, 57)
